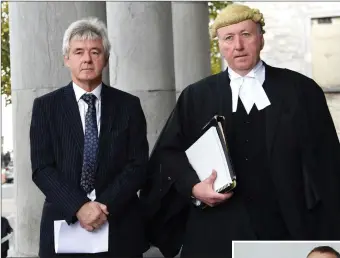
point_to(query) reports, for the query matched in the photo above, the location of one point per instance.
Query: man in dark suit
(88, 142)
(283, 146)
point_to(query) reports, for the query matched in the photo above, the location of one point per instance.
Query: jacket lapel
(274, 90)
(108, 112)
(72, 117)
(225, 100)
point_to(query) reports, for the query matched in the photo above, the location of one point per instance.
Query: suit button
(246, 158)
(247, 140)
(247, 122)
(169, 178)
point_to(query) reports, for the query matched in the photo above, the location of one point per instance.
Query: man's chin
(89, 78)
(244, 66)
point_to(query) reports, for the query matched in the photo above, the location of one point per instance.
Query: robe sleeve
(173, 142)
(325, 145)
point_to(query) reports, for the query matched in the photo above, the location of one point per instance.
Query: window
(325, 35)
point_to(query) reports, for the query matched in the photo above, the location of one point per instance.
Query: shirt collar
(254, 73)
(78, 91)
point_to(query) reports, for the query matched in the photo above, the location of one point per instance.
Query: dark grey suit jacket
(57, 143)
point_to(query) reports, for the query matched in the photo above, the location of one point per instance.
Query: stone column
(36, 32)
(141, 60)
(191, 42)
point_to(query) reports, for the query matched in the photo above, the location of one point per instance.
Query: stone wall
(288, 39)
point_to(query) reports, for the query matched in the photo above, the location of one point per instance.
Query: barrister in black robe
(286, 158)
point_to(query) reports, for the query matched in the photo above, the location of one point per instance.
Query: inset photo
(287, 249)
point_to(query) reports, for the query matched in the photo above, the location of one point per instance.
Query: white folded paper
(75, 239)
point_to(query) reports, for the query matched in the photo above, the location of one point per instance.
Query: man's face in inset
(321, 255)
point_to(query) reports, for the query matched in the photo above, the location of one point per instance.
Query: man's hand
(92, 215)
(204, 191)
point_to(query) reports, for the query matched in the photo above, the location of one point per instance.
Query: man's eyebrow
(77, 49)
(228, 34)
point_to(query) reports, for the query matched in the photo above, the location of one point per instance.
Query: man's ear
(66, 61)
(262, 42)
(107, 60)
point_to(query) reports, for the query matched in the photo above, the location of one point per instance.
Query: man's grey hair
(86, 29)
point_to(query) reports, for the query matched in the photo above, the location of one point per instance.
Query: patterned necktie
(90, 144)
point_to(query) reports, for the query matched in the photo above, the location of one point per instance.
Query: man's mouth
(238, 56)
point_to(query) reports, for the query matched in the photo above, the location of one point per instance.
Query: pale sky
(7, 125)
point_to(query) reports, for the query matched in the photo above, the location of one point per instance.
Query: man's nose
(238, 43)
(87, 57)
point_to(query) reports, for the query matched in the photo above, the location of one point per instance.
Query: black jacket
(303, 152)
(57, 143)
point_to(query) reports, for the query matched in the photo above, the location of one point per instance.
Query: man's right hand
(204, 191)
(92, 215)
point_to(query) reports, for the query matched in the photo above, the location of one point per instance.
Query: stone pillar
(191, 42)
(36, 32)
(141, 60)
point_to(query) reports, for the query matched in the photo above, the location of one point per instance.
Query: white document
(74, 239)
(207, 154)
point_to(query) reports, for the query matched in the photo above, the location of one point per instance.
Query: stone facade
(141, 62)
(288, 39)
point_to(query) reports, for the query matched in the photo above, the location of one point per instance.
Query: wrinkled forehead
(78, 42)
(247, 25)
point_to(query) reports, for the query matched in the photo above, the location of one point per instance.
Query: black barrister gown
(286, 158)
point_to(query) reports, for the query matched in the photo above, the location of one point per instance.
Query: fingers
(98, 210)
(96, 226)
(102, 219)
(87, 227)
(218, 198)
(221, 196)
(93, 216)
(99, 221)
(103, 207)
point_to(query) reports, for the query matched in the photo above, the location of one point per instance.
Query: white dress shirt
(249, 88)
(83, 105)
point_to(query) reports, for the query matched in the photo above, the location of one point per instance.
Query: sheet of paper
(74, 239)
(207, 154)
